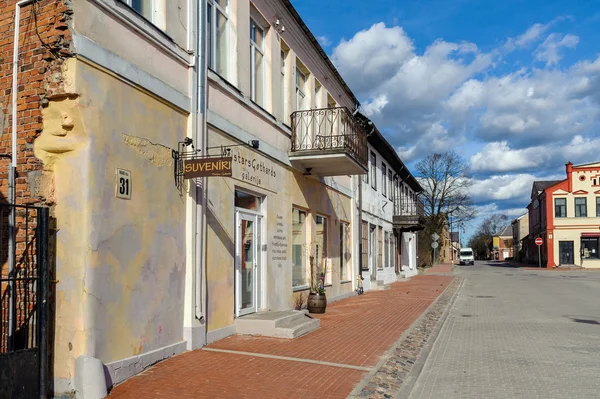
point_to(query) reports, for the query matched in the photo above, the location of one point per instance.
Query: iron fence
(329, 129)
(24, 287)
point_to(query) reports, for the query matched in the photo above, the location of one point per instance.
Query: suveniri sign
(206, 167)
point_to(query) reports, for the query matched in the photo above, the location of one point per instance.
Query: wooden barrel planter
(316, 302)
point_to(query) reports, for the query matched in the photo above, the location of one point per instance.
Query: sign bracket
(182, 154)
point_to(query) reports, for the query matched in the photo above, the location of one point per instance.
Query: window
(373, 170)
(380, 248)
(300, 90)
(391, 194)
(589, 248)
(580, 207)
(387, 249)
(217, 35)
(364, 237)
(344, 250)
(257, 35)
(330, 101)
(318, 94)
(383, 179)
(321, 248)
(560, 207)
(299, 275)
(284, 91)
(597, 206)
(392, 251)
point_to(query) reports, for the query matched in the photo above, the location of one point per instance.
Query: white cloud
(549, 50)
(503, 187)
(531, 35)
(323, 41)
(499, 157)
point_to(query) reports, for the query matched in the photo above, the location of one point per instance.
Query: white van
(466, 256)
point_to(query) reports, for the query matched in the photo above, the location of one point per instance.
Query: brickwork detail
(44, 45)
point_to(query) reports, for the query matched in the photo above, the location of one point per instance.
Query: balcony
(408, 214)
(328, 142)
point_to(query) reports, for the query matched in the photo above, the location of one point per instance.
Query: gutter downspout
(200, 139)
(12, 169)
(360, 248)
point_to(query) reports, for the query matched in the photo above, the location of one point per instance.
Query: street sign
(434, 237)
(434, 245)
(539, 241)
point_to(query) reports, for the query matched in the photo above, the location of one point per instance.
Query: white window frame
(212, 35)
(284, 91)
(300, 92)
(253, 75)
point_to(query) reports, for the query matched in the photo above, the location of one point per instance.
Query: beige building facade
(285, 116)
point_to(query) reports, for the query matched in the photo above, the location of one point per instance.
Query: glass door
(247, 248)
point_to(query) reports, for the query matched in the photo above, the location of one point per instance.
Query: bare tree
(481, 241)
(445, 181)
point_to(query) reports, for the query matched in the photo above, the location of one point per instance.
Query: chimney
(569, 166)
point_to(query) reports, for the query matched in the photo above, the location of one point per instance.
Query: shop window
(580, 207)
(589, 248)
(373, 170)
(344, 250)
(299, 251)
(560, 207)
(321, 248)
(257, 69)
(217, 22)
(383, 179)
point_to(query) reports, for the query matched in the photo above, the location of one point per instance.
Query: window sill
(345, 281)
(300, 288)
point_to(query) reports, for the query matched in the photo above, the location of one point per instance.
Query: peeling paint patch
(158, 154)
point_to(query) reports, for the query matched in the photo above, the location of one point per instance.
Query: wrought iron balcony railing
(332, 130)
(408, 207)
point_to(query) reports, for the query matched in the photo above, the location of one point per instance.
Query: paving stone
(517, 334)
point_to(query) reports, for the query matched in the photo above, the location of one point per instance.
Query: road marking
(293, 359)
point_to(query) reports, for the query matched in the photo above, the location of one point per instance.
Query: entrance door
(247, 267)
(566, 252)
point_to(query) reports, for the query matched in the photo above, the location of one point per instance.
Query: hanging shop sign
(207, 167)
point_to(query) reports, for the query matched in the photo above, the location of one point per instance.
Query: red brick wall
(44, 44)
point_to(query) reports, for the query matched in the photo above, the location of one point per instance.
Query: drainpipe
(360, 248)
(200, 264)
(12, 169)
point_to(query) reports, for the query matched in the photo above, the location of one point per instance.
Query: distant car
(466, 256)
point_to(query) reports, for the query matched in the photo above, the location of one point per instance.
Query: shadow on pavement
(499, 263)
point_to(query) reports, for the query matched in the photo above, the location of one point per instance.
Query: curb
(394, 373)
(415, 372)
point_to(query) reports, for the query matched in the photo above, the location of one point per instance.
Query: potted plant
(317, 300)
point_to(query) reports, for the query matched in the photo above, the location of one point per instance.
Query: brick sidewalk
(445, 268)
(354, 334)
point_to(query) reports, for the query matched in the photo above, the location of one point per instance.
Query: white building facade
(390, 217)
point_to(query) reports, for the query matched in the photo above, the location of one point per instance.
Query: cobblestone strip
(392, 375)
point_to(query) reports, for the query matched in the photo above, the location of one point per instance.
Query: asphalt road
(514, 333)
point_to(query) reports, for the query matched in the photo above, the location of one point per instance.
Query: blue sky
(512, 86)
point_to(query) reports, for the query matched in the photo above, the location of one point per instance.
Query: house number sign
(123, 184)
